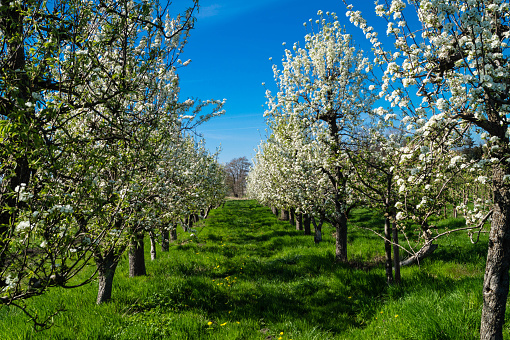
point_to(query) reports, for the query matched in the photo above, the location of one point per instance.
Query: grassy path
(247, 275)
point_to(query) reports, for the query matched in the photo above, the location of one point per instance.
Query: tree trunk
(396, 254)
(274, 210)
(387, 250)
(284, 215)
(14, 59)
(165, 240)
(207, 211)
(317, 238)
(423, 253)
(292, 217)
(152, 236)
(299, 221)
(173, 233)
(306, 224)
(496, 279)
(341, 239)
(105, 271)
(189, 224)
(136, 256)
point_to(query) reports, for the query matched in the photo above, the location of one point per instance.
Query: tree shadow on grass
(244, 238)
(271, 297)
(461, 253)
(309, 287)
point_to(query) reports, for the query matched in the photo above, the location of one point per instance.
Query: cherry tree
(454, 56)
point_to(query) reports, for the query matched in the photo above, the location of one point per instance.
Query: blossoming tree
(327, 81)
(455, 56)
(287, 171)
(89, 89)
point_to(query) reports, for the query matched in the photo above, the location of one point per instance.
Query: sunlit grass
(251, 276)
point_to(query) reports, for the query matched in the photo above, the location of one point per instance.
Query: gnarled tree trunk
(284, 215)
(496, 279)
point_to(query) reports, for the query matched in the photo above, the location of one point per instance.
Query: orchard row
(96, 143)
(391, 129)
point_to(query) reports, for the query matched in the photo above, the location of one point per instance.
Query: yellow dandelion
(281, 333)
(223, 324)
(238, 322)
(209, 323)
(381, 312)
(396, 315)
(349, 297)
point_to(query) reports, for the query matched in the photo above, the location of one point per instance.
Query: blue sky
(230, 49)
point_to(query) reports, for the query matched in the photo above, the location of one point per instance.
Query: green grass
(253, 277)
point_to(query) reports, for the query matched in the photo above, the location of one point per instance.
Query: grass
(250, 276)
